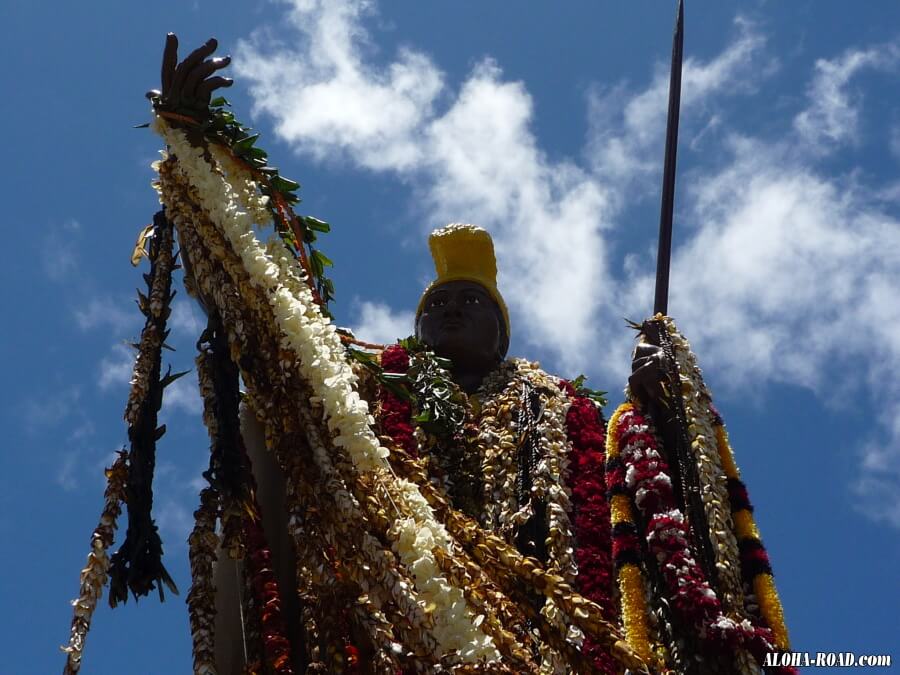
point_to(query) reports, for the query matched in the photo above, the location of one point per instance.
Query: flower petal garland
(322, 363)
(626, 548)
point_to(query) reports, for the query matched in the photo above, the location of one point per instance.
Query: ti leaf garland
(299, 233)
(595, 395)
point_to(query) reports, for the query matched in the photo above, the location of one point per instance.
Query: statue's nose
(453, 308)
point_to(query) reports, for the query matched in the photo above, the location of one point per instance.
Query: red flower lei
(396, 413)
(276, 648)
(586, 432)
(644, 476)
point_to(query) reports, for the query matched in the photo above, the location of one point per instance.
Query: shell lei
(742, 559)
(95, 573)
(568, 426)
(322, 363)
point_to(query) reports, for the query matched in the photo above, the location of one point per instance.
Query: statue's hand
(649, 374)
(188, 86)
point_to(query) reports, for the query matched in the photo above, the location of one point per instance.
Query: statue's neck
(469, 381)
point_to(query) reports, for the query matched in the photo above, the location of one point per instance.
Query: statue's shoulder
(532, 372)
(564, 387)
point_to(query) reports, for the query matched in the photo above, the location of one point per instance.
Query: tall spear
(686, 478)
(661, 301)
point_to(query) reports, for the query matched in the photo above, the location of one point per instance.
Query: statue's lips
(454, 324)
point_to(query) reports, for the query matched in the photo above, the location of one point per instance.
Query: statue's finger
(205, 89)
(194, 58)
(169, 61)
(201, 72)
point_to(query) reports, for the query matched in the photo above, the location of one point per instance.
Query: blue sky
(543, 123)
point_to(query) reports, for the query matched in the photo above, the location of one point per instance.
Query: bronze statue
(440, 506)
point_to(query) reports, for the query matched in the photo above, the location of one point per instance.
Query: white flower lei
(323, 365)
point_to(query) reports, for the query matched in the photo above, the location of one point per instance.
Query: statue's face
(461, 322)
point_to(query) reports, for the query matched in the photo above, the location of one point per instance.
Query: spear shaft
(664, 254)
(687, 477)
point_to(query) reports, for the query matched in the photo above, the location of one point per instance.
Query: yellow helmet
(465, 253)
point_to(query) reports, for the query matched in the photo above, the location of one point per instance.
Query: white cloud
(628, 128)
(833, 114)
(485, 167)
(894, 141)
(66, 470)
(183, 395)
(476, 161)
(329, 100)
(378, 323)
(174, 519)
(116, 368)
(58, 254)
(785, 267)
(878, 484)
(186, 319)
(788, 274)
(52, 408)
(105, 312)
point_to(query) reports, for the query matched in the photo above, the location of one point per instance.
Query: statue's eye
(439, 301)
(472, 300)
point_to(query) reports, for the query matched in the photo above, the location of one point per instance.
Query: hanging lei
(436, 590)
(322, 363)
(587, 481)
(637, 472)
(230, 478)
(95, 573)
(526, 424)
(741, 556)
(755, 567)
(742, 559)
